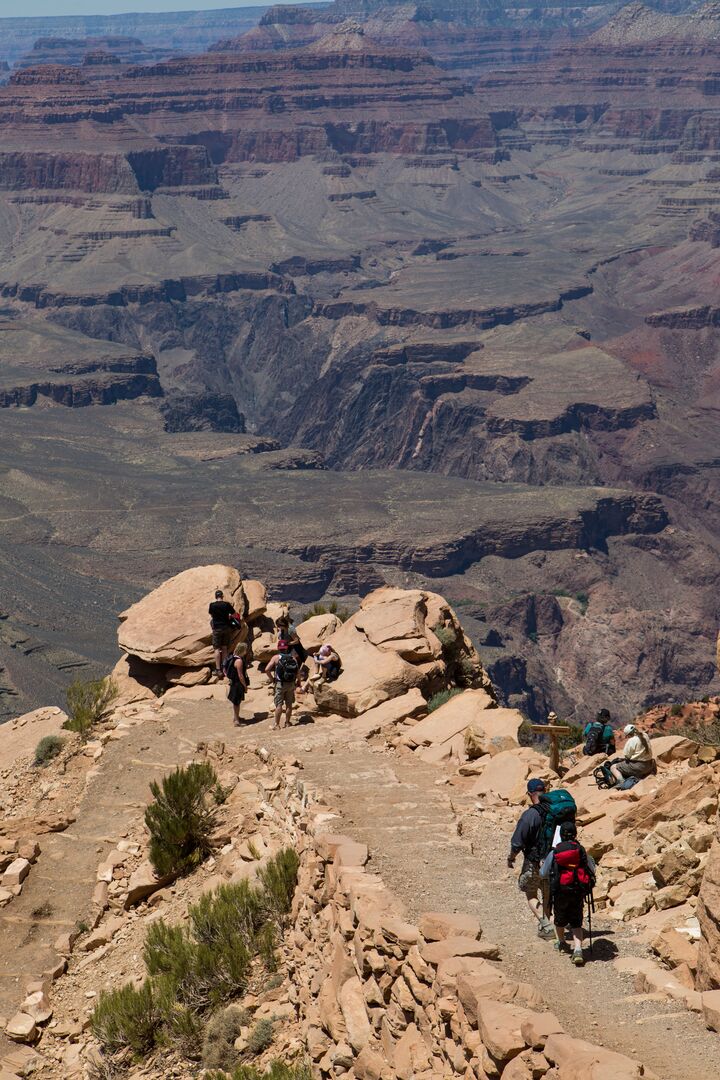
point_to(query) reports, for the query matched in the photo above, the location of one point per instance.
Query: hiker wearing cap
(599, 735)
(526, 839)
(221, 615)
(638, 759)
(283, 671)
(570, 873)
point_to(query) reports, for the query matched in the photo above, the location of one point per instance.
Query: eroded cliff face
(363, 264)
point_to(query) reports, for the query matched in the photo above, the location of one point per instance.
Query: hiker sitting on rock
(599, 736)
(223, 623)
(283, 671)
(327, 665)
(235, 670)
(570, 873)
(638, 759)
(526, 839)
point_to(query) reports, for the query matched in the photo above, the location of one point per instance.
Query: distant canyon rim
(368, 293)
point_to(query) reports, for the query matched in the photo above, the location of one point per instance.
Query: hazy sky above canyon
(14, 9)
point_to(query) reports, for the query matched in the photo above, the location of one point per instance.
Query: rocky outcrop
(171, 624)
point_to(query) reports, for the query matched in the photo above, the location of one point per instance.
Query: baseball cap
(535, 786)
(628, 729)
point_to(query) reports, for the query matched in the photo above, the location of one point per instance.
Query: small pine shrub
(260, 1038)
(583, 600)
(180, 819)
(218, 1050)
(48, 748)
(278, 880)
(127, 1018)
(440, 698)
(343, 614)
(87, 701)
(182, 1029)
(228, 913)
(445, 636)
(278, 1070)
(676, 710)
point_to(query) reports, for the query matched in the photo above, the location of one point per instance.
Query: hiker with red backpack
(534, 836)
(570, 873)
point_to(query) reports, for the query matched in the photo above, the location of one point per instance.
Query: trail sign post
(553, 732)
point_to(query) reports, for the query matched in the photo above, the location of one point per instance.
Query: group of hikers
(557, 875)
(287, 671)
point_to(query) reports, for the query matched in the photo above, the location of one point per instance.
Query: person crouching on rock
(327, 665)
(570, 873)
(221, 612)
(525, 839)
(235, 669)
(638, 759)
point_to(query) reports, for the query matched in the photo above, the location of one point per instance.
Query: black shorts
(568, 909)
(222, 638)
(236, 693)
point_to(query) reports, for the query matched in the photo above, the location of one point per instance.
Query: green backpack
(555, 807)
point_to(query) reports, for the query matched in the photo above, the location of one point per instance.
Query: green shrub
(218, 1051)
(181, 819)
(48, 748)
(583, 600)
(87, 702)
(182, 1029)
(440, 698)
(278, 1070)
(676, 710)
(127, 1018)
(278, 880)
(343, 614)
(228, 913)
(260, 1038)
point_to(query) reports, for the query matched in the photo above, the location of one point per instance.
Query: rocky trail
(437, 853)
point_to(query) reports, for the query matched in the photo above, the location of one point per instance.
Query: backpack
(286, 669)
(570, 870)
(229, 669)
(603, 777)
(333, 669)
(555, 807)
(600, 739)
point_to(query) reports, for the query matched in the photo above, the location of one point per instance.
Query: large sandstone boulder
(708, 913)
(390, 646)
(313, 632)
(669, 800)
(136, 680)
(171, 624)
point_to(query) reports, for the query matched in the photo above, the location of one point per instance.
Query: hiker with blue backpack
(535, 834)
(570, 874)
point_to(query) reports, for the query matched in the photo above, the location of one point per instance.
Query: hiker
(570, 873)
(526, 839)
(235, 670)
(327, 665)
(638, 760)
(283, 670)
(288, 640)
(222, 616)
(599, 735)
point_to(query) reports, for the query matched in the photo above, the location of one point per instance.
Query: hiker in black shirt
(222, 631)
(525, 839)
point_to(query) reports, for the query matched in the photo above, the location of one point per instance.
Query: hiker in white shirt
(638, 758)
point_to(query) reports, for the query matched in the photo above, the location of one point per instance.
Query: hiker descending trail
(570, 874)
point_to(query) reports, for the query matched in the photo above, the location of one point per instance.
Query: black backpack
(229, 669)
(603, 776)
(286, 669)
(600, 739)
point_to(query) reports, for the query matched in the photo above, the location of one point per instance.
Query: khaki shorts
(284, 694)
(641, 769)
(530, 882)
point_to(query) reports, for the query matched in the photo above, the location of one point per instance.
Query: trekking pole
(589, 904)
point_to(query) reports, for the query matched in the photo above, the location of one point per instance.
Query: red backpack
(570, 868)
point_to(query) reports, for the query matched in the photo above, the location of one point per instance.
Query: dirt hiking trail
(428, 842)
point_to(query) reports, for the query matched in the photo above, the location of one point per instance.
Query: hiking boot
(545, 930)
(561, 946)
(578, 958)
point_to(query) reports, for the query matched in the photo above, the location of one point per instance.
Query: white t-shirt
(635, 750)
